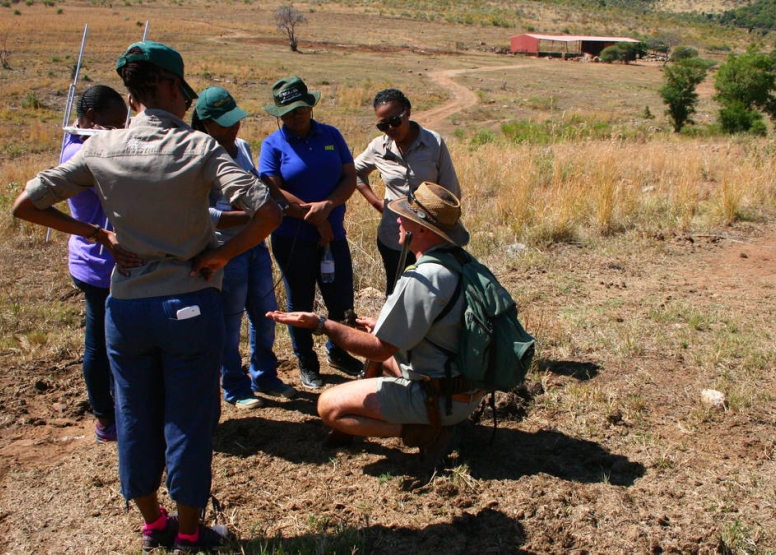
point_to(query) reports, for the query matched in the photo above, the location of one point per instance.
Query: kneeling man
(416, 335)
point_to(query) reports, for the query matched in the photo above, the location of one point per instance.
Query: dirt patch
(598, 453)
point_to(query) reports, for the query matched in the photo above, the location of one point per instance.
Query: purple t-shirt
(87, 261)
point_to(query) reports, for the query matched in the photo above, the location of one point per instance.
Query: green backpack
(495, 351)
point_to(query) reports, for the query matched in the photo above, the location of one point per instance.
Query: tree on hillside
(678, 92)
(760, 14)
(683, 53)
(286, 20)
(623, 52)
(745, 87)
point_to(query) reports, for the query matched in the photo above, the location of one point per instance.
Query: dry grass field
(643, 261)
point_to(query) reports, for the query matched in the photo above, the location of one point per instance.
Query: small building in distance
(534, 44)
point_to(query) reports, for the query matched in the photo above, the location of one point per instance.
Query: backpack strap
(447, 385)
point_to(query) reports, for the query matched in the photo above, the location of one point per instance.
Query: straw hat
(435, 208)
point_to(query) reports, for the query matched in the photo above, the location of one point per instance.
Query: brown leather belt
(469, 397)
(435, 388)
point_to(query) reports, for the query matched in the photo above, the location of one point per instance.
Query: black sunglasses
(185, 93)
(393, 121)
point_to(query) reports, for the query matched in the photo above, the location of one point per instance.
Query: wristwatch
(319, 328)
(93, 237)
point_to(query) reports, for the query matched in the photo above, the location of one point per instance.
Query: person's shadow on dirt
(515, 453)
(489, 531)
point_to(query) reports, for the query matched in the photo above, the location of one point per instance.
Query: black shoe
(210, 539)
(153, 539)
(344, 362)
(309, 373)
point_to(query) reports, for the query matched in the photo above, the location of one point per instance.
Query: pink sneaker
(105, 433)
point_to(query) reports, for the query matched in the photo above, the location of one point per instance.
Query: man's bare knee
(326, 405)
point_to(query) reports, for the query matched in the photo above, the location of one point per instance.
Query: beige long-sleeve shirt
(154, 179)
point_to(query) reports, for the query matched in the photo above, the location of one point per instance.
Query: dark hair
(196, 123)
(97, 98)
(141, 78)
(388, 95)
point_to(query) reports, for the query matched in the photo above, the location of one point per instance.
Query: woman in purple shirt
(99, 108)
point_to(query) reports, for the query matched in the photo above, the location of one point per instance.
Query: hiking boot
(105, 432)
(249, 403)
(209, 540)
(418, 435)
(281, 390)
(309, 372)
(344, 362)
(435, 453)
(153, 539)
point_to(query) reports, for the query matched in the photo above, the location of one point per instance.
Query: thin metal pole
(74, 84)
(70, 101)
(145, 36)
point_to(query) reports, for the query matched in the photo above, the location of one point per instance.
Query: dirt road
(461, 97)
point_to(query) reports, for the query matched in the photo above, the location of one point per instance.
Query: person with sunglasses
(247, 285)
(405, 155)
(99, 108)
(309, 164)
(164, 324)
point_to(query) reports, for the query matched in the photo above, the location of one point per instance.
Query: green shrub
(683, 53)
(737, 118)
(483, 136)
(31, 102)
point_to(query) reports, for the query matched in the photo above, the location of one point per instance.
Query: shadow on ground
(514, 454)
(580, 370)
(489, 531)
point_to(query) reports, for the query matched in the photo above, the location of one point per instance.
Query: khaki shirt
(153, 180)
(408, 320)
(427, 159)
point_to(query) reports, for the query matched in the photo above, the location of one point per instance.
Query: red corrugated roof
(572, 38)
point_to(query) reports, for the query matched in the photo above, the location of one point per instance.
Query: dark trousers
(391, 264)
(300, 265)
(96, 368)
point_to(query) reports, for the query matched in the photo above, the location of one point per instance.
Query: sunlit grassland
(553, 154)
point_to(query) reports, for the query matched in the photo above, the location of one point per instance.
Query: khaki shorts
(403, 401)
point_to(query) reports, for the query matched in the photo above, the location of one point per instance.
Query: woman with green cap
(309, 164)
(247, 284)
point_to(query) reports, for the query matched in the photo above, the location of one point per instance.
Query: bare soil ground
(599, 453)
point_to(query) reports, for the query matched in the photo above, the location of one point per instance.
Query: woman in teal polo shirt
(309, 164)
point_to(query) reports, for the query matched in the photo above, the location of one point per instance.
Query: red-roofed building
(535, 44)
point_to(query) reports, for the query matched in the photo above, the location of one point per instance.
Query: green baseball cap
(217, 104)
(290, 93)
(159, 55)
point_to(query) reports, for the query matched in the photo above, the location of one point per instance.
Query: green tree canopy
(745, 86)
(678, 92)
(623, 51)
(760, 14)
(683, 53)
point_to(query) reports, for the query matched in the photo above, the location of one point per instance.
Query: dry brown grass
(640, 259)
